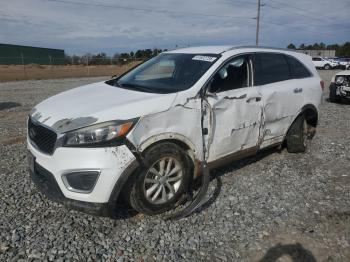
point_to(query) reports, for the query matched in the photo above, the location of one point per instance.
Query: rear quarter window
(297, 69)
(270, 68)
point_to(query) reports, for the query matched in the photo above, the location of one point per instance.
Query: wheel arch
(311, 115)
(130, 171)
(176, 138)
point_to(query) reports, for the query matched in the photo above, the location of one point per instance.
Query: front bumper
(49, 170)
(47, 184)
(342, 91)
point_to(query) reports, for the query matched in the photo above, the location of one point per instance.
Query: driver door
(236, 109)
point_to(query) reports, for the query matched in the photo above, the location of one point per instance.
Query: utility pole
(257, 25)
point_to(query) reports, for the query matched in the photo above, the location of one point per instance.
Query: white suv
(146, 135)
(339, 87)
(320, 62)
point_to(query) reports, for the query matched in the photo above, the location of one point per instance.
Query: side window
(297, 69)
(233, 75)
(270, 68)
(316, 59)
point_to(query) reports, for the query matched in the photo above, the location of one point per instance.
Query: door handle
(257, 99)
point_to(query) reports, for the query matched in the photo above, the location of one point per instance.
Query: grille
(42, 137)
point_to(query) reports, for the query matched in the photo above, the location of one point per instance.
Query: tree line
(340, 50)
(117, 58)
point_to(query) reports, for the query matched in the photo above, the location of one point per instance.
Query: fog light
(82, 182)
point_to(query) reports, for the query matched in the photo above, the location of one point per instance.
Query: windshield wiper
(136, 87)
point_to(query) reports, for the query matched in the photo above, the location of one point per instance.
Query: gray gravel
(263, 207)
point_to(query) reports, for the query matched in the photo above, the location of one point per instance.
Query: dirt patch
(8, 105)
(13, 141)
(34, 71)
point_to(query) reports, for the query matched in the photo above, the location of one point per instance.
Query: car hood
(96, 103)
(341, 73)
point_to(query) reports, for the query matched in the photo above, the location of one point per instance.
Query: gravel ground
(273, 205)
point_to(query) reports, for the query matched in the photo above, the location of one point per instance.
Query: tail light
(322, 85)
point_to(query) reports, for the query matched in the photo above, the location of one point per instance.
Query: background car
(323, 63)
(339, 87)
(344, 63)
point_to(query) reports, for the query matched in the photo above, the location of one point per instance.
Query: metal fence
(68, 67)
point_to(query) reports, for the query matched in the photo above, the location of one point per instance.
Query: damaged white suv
(146, 135)
(339, 87)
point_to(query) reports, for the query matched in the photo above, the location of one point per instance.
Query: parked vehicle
(339, 87)
(144, 136)
(334, 60)
(344, 63)
(322, 63)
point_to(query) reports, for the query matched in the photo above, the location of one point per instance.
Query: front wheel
(159, 185)
(327, 67)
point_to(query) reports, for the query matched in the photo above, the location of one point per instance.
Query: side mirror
(213, 88)
(114, 76)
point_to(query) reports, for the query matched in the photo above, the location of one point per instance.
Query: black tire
(333, 94)
(135, 192)
(327, 66)
(297, 135)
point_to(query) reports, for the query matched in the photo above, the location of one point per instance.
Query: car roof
(218, 49)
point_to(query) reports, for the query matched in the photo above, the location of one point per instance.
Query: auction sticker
(204, 58)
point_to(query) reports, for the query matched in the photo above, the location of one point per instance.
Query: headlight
(340, 80)
(100, 134)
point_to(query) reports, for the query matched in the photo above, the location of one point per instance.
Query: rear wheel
(159, 185)
(297, 135)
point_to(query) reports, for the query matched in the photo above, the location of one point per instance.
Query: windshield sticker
(204, 58)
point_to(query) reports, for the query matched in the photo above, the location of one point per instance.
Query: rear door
(281, 95)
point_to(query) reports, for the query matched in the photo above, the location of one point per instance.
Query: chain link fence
(27, 68)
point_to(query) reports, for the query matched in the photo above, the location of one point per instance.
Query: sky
(114, 26)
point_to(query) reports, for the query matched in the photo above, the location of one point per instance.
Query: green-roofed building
(17, 54)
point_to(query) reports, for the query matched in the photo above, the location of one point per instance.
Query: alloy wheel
(163, 180)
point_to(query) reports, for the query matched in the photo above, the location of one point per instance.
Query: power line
(299, 27)
(147, 9)
(163, 11)
(294, 7)
(300, 14)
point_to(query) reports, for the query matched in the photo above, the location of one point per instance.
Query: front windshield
(167, 73)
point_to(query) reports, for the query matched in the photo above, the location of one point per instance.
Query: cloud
(111, 26)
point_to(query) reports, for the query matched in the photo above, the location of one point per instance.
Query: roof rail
(260, 47)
